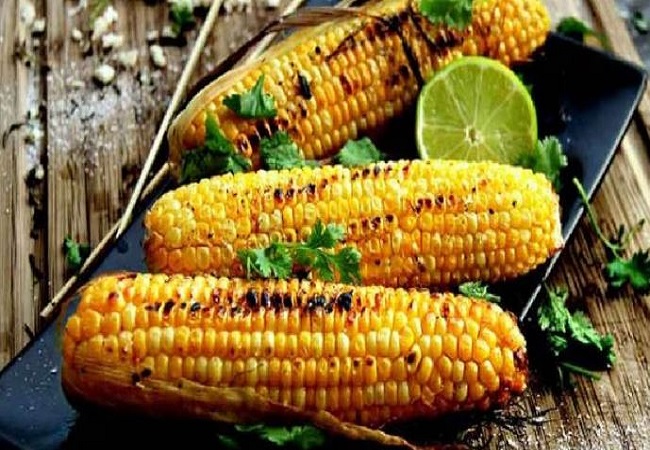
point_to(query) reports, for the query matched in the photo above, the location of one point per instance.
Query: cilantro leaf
(476, 289)
(575, 345)
(635, 271)
(75, 253)
(454, 13)
(315, 254)
(254, 104)
(182, 15)
(358, 153)
(304, 437)
(216, 156)
(280, 152)
(620, 270)
(548, 158)
(273, 261)
(576, 29)
(640, 22)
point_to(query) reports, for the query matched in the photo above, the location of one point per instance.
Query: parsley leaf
(358, 153)
(75, 253)
(454, 13)
(576, 29)
(254, 104)
(548, 158)
(182, 15)
(620, 270)
(476, 289)
(635, 271)
(577, 347)
(216, 156)
(280, 152)
(315, 254)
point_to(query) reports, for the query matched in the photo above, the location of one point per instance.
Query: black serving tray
(584, 96)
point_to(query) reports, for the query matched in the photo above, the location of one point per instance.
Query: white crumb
(76, 84)
(104, 74)
(158, 56)
(104, 22)
(127, 58)
(38, 26)
(39, 172)
(112, 40)
(27, 13)
(76, 35)
(152, 35)
(273, 4)
(168, 32)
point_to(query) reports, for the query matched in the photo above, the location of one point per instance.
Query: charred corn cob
(237, 351)
(359, 72)
(415, 223)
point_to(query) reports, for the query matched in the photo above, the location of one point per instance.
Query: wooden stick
(176, 100)
(99, 249)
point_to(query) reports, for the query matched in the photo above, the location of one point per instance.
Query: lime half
(475, 109)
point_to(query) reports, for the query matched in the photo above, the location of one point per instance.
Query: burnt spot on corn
(145, 373)
(303, 87)
(411, 357)
(390, 218)
(169, 304)
(183, 305)
(290, 193)
(148, 307)
(251, 299)
(370, 361)
(265, 300)
(318, 50)
(216, 298)
(112, 296)
(195, 307)
(303, 110)
(521, 359)
(344, 301)
(278, 195)
(157, 306)
(490, 211)
(135, 379)
(287, 301)
(346, 84)
(445, 310)
(276, 301)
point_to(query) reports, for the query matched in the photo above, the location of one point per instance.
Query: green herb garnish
(476, 289)
(280, 152)
(358, 153)
(640, 22)
(279, 260)
(454, 13)
(182, 16)
(576, 29)
(304, 437)
(75, 253)
(620, 270)
(548, 158)
(578, 348)
(216, 156)
(97, 8)
(254, 104)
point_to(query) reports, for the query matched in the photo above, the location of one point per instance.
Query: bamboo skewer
(176, 100)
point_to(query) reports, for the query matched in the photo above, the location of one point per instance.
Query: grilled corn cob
(415, 223)
(360, 73)
(239, 351)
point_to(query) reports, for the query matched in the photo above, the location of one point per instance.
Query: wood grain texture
(98, 136)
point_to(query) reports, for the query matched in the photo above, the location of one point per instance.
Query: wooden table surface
(95, 139)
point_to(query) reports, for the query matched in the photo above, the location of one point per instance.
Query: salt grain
(38, 27)
(273, 4)
(127, 58)
(104, 74)
(158, 56)
(76, 35)
(112, 40)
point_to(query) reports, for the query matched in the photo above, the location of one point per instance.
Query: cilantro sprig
(454, 13)
(578, 30)
(548, 158)
(280, 152)
(281, 260)
(620, 270)
(181, 13)
(358, 153)
(75, 253)
(573, 343)
(253, 104)
(476, 289)
(216, 156)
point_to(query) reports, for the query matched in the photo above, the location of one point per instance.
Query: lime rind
(475, 109)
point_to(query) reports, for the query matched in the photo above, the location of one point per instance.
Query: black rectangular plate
(584, 96)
